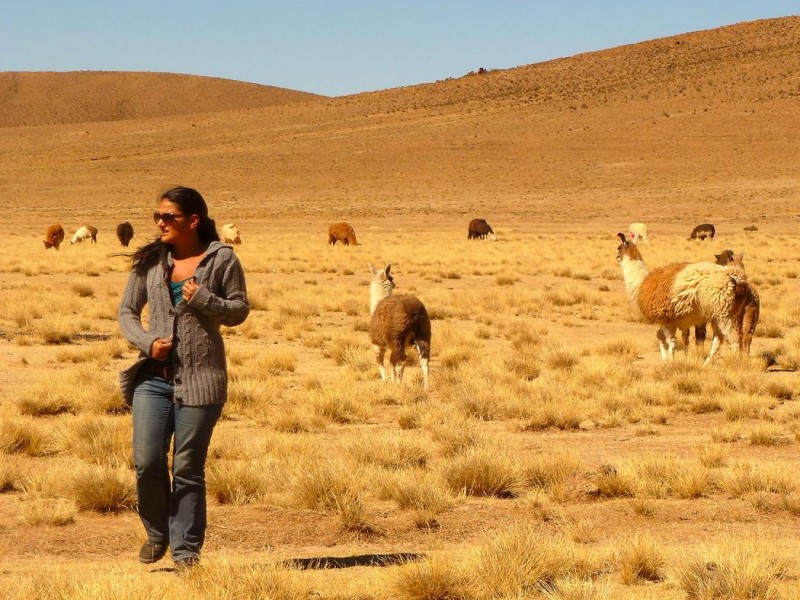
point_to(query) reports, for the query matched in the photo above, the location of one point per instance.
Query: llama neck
(633, 272)
(377, 292)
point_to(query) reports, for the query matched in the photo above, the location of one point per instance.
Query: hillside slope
(693, 128)
(32, 98)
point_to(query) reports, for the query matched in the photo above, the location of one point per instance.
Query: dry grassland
(553, 455)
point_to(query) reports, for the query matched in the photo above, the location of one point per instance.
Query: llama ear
(388, 268)
(635, 239)
(621, 236)
(371, 269)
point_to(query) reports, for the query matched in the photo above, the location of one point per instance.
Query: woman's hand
(189, 288)
(160, 348)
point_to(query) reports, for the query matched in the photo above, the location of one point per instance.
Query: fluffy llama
(397, 322)
(747, 306)
(680, 296)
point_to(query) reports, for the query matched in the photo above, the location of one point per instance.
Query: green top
(176, 287)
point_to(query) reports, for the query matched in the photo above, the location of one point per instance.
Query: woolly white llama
(639, 229)
(397, 322)
(680, 296)
(747, 307)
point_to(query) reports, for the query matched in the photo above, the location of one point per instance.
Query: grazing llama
(397, 322)
(680, 296)
(703, 231)
(479, 229)
(342, 232)
(53, 237)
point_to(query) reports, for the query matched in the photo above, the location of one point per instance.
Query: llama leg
(397, 359)
(747, 325)
(379, 354)
(716, 342)
(662, 344)
(685, 336)
(671, 341)
(398, 369)
(424, 356)
(700, 334)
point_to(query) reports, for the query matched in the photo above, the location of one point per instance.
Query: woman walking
(192, 284)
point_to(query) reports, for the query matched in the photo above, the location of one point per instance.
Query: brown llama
(342, 232)
(125, 233)
(53, 237)
(397, 322)
(703, 231)
(479, 229)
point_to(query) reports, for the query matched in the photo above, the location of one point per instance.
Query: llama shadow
(347, 562)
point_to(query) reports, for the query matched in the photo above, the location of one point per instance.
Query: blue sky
(340, 47)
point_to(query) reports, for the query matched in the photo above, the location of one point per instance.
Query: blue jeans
(172, 513)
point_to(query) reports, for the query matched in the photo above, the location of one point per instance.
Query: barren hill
(30, 98)
(701, 126)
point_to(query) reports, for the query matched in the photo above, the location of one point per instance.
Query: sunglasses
(167, 217)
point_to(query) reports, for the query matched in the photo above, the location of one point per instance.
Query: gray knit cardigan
(198, 353)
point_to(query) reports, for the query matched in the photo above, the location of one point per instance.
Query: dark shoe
(185, 563)
(152, 552)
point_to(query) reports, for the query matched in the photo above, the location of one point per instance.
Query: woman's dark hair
(191, 203)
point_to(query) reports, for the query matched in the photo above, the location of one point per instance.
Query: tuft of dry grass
(550, 470)
(101, 488)
(320, 484)
(521, 561)
(239, 482)
(416, 490)
(735, 569)
(390, 451)
(224, 578)
(767, 435)
(436, 577)
(97, 439)
(47, 511)
(745, 478)
(341, 402)
(640, 558)
(9, 475)
(613, 483)
(26, 436)
(483, 472)
(713, 456)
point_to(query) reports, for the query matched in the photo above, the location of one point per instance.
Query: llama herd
(675, 297)
(54, 235)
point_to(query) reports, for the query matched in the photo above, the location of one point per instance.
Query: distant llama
(342, 232)
(87, 232)
(703, 231)
(397, 322)
(639, 229)
(479, 229)
(125, 233)
(680, 296)
(53, 237)
(230, 234)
